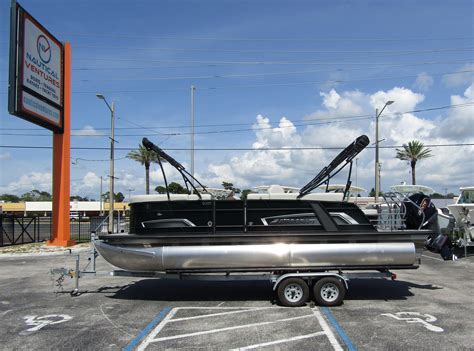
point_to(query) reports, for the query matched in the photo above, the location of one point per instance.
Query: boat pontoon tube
(257, 257)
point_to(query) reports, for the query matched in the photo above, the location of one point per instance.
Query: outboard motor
(425, 216)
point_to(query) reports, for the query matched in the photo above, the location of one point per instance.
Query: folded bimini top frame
(343, 159)
(187, 177)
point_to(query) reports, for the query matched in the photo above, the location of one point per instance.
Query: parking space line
(144, 344)
(147, 329)
(327, 330)
(281, 341)
(217, 314)
(180, 336)
(143, 340)
(339, 329)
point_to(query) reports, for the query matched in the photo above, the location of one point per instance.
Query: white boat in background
(463, 213)
(275, 188)
(408, 189)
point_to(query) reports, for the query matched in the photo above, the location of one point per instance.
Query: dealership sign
(36, 72)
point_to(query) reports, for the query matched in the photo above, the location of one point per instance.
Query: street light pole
(111, 175)
(112, 169)
(100, 197)
(377, 166)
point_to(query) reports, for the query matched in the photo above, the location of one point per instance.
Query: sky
(301, 78)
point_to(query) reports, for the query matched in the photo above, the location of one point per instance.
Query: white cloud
(459, 123)
(28, 182)
(404, 100)
(87, 131)
(296, 167)
(423, 81)
(466, 77)
(331, 99)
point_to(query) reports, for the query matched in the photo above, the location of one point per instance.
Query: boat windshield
(467, 197)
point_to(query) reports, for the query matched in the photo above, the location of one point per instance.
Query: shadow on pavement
(380, 289)
(175, 290)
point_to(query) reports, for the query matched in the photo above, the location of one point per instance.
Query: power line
(89, 160)
(240, 75)
(147, 37)
(230, 149)
(262, 62)
(396, 52)
(271, 84)
(261, 85)
(313, 121)
(143, 68)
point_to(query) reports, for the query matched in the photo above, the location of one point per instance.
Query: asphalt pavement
(429, 308)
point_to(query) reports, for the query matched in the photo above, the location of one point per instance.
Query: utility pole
(130, 194)
(377, 166)
(193, 89)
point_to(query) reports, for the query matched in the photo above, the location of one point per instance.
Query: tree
(118, 197)
(244, 193)
(442, 196)
(233, 190)
(36, 195)
(173, 187)
(230, 186)
(413, 152)
(79, 198)
(9, 198)
(160, 189)
(176, 188)
(372, 193)
(145, 157)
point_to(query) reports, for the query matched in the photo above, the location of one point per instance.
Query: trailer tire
(329, 291)
(293, 292)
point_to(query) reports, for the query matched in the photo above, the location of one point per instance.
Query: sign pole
(61, 235)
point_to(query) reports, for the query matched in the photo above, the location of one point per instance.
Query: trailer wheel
(293, 292)
(329, 291)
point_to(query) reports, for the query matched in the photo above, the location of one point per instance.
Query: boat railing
(393, 211)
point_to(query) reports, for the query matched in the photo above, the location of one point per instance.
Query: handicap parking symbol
(36, 323)
(416, 317)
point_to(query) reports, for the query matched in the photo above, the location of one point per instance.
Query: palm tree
(413, 152)
(145, 157)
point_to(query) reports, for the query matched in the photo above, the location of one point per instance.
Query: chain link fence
(17, 230)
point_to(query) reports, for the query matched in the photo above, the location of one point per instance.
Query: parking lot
(425, 309)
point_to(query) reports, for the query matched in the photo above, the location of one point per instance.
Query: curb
(45, 253)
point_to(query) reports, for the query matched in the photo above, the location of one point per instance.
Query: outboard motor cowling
(425, 216)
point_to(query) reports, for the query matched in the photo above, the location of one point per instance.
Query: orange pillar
(62, 165)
